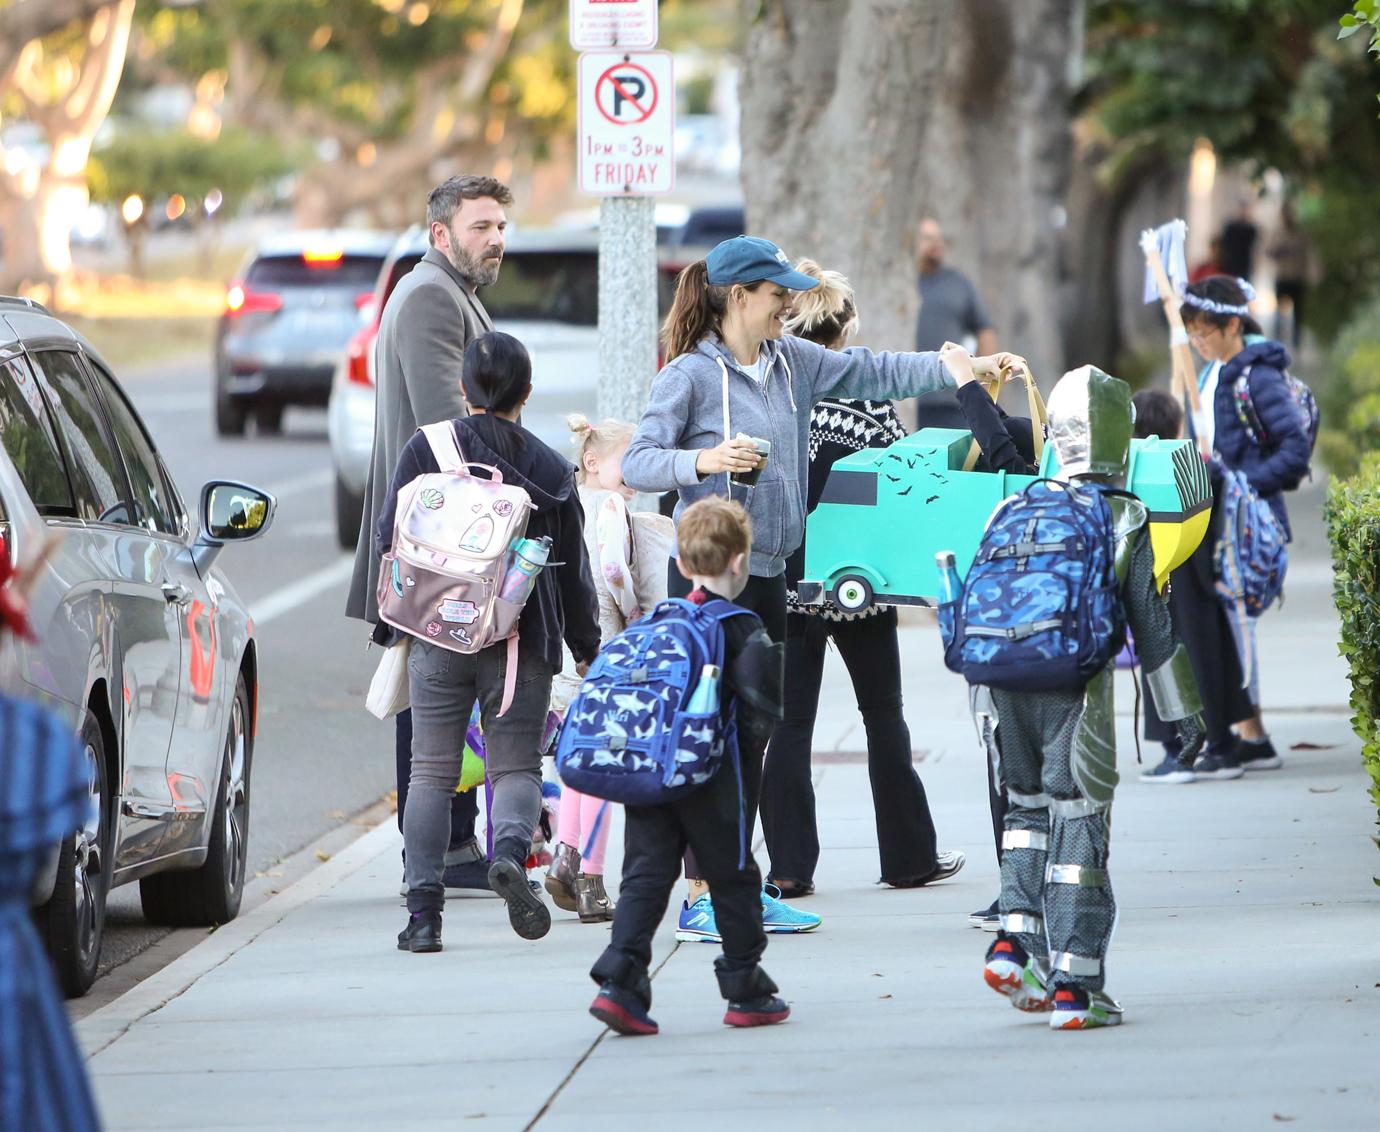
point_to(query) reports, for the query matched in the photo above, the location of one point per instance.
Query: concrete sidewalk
(1245, 958)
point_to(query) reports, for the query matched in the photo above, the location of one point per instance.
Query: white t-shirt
(754, 371)
(1207, 395)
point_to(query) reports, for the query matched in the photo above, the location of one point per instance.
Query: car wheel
(852, 593)
(268, 419)
(72, 922)
(230, 415)
(211, 894)
(349, 513)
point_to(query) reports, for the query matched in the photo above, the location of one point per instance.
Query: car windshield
(546, 287)
(357, 272)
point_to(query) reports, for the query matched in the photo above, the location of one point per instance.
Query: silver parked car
(290, 310)
(143, 644)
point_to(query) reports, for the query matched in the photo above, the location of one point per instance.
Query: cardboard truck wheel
(852, 593)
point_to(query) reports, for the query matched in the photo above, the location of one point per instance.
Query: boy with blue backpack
(1061, 569)
(673, 721)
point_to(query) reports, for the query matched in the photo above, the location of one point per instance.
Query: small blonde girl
(629, 554)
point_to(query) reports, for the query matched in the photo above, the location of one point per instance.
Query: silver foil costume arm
(1165, 660)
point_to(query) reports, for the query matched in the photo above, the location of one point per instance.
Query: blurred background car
(290, 310)
(143, 644)
(547, 295)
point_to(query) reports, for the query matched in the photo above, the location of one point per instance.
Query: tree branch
(26, 20)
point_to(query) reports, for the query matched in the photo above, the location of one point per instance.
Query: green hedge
(1350, 394)
(1353, 526)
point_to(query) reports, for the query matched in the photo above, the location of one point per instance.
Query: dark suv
(288, 315)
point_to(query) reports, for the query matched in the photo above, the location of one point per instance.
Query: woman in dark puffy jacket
(1261, 434)
(1217, 315)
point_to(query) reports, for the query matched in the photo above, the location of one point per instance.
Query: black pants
(654, 840)
(905, 830)
(766, 597)
(464, 808)
(1201, 624)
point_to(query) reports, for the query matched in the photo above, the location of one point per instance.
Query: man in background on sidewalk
(950, 310)
(431, 316)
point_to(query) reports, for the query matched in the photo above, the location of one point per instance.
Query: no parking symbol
(627, 123)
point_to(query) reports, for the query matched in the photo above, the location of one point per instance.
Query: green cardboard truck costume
(885, 513)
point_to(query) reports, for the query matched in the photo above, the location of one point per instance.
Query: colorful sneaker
(1170, 772)
(779, 918)
(696, 924)
(1011, 972)
(765, 1011)
(988, 919)
(1258, 755)
(622, 1011)
(1217, 765)
(1078, 1009)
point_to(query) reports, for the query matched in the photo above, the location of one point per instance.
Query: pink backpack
(454, 543)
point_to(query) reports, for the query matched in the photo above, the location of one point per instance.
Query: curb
(104, 1027)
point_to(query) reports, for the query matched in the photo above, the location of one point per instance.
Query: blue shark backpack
(1040, 609)
(627, 734)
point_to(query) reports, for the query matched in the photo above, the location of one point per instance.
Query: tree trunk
(861, 117)
(42, 204)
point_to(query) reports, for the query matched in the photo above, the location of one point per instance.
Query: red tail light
(357, 357)
(239, 300)
(363, 300)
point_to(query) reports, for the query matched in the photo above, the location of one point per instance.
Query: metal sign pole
(627, 305)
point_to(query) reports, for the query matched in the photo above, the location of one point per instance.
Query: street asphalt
(1244, 957)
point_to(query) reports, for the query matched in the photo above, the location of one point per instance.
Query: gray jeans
(443, 686)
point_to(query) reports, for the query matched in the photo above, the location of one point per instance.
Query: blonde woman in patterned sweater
(868, 644)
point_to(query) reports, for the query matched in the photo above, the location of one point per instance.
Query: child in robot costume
(1057, 749)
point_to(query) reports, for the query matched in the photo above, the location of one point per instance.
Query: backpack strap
(445, 447)
(509, 676)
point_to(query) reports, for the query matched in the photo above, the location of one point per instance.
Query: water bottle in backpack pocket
(1040, 609)
(644, 729)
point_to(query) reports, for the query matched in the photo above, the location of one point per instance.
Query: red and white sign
(599, 24)
(627, 112)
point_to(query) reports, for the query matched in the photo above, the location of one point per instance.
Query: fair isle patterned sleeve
(839, 428)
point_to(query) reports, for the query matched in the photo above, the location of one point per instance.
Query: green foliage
(1352, 513)
(1267, 82)
(155, 165)
(1351, 395)
(1365, 14)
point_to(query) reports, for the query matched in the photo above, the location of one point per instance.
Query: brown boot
(591, 901)
(560, 877)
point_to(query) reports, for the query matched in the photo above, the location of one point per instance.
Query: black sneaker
(1258, 755)
(422, 934)
(622, 1011)
(527, 913)
(764, 1011)
(988, 919)
(1217, 765)
(1170, 772)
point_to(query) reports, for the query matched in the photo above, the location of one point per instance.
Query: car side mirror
(230, 512)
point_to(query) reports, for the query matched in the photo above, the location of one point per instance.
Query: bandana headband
(1214, 307)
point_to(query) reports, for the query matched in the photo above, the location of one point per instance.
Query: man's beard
(480, 272)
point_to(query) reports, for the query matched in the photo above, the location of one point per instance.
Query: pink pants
(578, 815)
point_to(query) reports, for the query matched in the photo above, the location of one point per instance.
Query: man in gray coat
(431, 316)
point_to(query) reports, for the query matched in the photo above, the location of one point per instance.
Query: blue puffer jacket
(1280, 464)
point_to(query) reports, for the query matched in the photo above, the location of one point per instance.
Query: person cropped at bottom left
(444, 684)
(44, 795)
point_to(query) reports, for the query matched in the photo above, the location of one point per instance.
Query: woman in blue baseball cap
(729, 414)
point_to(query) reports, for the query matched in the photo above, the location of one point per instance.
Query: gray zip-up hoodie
(685, 414)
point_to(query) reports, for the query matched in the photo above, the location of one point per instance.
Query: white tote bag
(388, 693)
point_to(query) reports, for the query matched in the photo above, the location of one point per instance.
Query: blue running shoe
(779, 918)
(697, 924)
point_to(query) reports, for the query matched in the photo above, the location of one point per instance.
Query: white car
(547, 295)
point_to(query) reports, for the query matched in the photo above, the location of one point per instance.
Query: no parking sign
(627, 113)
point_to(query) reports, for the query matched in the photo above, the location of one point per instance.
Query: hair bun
(578, 423)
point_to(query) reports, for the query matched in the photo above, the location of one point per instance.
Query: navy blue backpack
(1040, 609)
(627, 734)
